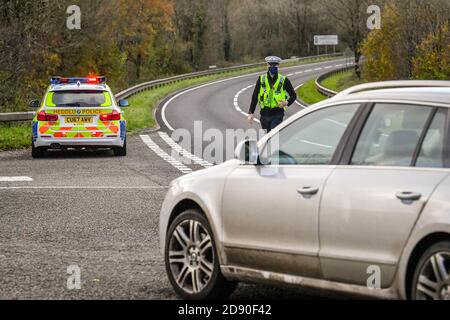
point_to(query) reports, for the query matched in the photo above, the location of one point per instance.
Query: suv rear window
(390, 135)
(79, 98)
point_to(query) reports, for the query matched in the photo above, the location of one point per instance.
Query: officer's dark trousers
(268, 122)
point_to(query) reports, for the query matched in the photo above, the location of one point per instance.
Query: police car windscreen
(78, 98)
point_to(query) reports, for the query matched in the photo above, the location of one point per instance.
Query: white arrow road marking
(175, 146)
(15, 179)
(156, 149)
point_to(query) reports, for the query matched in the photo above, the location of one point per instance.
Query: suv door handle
(308, 191)
(407, 195)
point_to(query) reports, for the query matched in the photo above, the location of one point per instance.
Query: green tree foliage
(408, 45)
(117, 38)
(132, 41)
(382, 56)
(433, 57)
(141, 22)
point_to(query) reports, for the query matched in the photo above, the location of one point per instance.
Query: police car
(79, 113)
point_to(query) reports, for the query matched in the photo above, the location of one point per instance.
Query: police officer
(274, 93)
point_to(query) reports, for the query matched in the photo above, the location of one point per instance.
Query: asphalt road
(224, 105)
(100, 212)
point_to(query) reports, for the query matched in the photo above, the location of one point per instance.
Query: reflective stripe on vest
(270, 97)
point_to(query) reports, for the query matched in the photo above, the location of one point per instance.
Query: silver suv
(354, 197)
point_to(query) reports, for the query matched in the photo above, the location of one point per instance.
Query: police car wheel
(121, 152)
(191, 259)
(38, 152)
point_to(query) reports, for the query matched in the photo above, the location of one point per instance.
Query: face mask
(273, 70)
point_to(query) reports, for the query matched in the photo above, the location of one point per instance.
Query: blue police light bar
(73, 80)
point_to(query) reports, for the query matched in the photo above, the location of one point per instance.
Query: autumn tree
(417, 19)
(433, 58)
(351, 16)
(141, 21)
(379, 48)
(131, 41)
(391, 51)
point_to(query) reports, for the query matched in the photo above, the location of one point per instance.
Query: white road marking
(155, 148)
(337, 123)
(300, 105)
(236, 97)
(163, 109)
(15, 179)
(175, 146)
(236, 103)
(298, 102)
(187, 154)
(300, 85)
(317, 144)
(88, 188)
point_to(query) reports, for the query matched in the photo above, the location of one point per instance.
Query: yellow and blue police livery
(79, 113)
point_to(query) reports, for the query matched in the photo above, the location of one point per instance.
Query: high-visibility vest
(270, 97)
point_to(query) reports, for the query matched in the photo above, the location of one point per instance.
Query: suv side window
(390, 135)
(311, 139)
(432, 150)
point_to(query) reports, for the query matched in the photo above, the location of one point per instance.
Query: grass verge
(308, 92)
(140, 113)
(17, 135)
(337, 82)
(341, 81)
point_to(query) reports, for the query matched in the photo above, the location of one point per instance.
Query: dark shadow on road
(247, 291)
(79, 154)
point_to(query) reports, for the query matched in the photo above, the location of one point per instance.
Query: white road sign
(329, 40)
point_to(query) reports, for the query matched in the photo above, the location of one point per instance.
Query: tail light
(114, 116)
(42, 116)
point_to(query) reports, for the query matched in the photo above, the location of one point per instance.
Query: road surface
(100, 212)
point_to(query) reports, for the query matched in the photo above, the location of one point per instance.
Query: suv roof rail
(395, 85)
